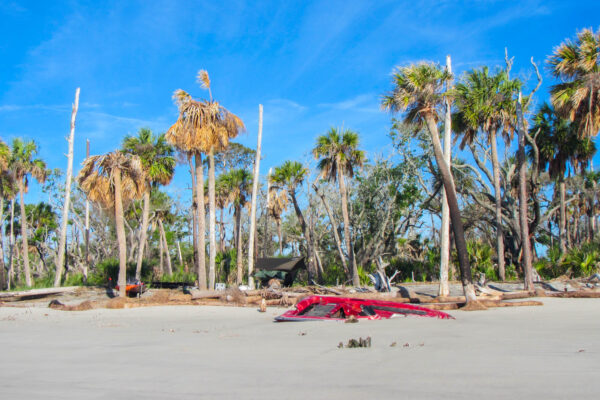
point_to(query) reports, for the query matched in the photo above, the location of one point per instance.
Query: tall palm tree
(112, 181)
(156, 156)
(577, 96)
(338, 155)
(418, 91)
(6, 188)
(559, 146)
(485, 104)
(239, 186)
(203, 126)
(288, 177)
(24, 164)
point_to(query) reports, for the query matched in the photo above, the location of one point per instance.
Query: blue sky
(312, 64)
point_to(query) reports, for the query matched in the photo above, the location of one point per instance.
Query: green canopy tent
(284, 269)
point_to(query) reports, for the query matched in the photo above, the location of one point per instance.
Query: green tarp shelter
(284, 269)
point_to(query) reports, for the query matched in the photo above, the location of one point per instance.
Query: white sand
(549, 352)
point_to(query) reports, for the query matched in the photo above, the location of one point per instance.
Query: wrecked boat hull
(329, 308)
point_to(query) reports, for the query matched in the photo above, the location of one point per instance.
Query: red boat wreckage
(341, 308)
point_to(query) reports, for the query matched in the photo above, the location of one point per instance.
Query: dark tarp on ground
(280, 268)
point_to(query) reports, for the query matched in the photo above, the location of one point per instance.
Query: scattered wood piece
(522, 294)
(580, 294)
(36, 293)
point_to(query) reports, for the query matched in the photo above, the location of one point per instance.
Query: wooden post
(60, 254)
(254, 198)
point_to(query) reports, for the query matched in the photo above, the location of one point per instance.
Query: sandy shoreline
(548, 352)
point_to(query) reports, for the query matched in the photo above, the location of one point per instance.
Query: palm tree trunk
(28, 280)
(280, 236)
(238, 245)
(179, 254)
(498, 205)
(11, 245)
(444, 289)
(201, 254)
(221, 232)
(347, 239)
(212, 218)
(312, 271)
(65, 217)
(121, 238)
(455, 217)
(143, 234)
(562, 222)
(334, 228)
(163, 237)
(525, 242)
(3, 281)
(254, 199)
(161, 252)
(87, 224)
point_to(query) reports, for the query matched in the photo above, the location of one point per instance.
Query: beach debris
(263, 306)
(356, 343)
(351, 320)
(406, 345)
(393, 344)
(343, 308)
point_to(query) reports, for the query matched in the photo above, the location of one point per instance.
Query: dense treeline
(345, 210)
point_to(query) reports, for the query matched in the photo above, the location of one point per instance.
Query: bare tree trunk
(143, 234)
(201, 255)
(60, 253)
(254, 200)
(347, 239)
(212, 218)
(28, 280)
(87, 224)
(444, 289)
(120, 227)
(498, 206)
(334, 228)
(179, 254)
(163, 237)
(455, 217)
(525, 243)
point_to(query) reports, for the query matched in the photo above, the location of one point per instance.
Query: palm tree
(485, 104)
(288, 177)
(559, 146)
(577, 97)
(112, 181)
(23, 164)
(277, 205)
(156, 156)
(338, 155)
(6, 188)
(418, 91)
(203, 127)
(239, 185)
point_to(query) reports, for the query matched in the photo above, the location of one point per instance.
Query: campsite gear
(341, 308)
(284, 269)
(134, 288)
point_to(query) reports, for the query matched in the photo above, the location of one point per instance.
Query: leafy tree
(156, 156)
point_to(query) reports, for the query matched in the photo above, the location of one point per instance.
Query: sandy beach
(548, 352)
